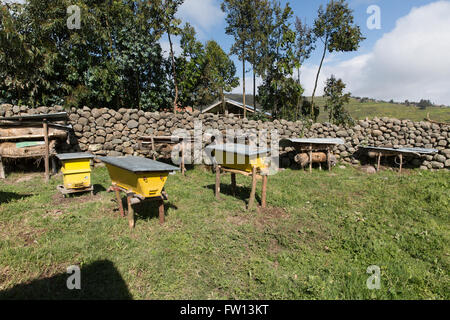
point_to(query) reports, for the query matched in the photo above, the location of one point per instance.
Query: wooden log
(401, 161)
(253, 191)
(317, 157)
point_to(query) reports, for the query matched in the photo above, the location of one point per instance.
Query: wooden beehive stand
(133, 198)
(17, 125)
(65, 192)
(255, 174)
(313, 148)
(150, 142)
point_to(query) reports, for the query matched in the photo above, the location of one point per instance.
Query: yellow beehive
(139, 175)
(239, 156)
(76, 169)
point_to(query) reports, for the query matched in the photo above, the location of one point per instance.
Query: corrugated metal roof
(73, 156)
(237, 104)
(402, 150)
(138, 164)
(241, 149)
(316, 141)
(49, 116)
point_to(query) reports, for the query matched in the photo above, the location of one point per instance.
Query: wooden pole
(264, 191)
(47, 152)
(153, 149)
(253, 191)
(310, 159)
(401, 162)
(161, 211)
(233, 183)
(2, 169)
(130, 211)
(119, 200)
(379, 162)
(328, 158)
(183, 170)
(217, 182)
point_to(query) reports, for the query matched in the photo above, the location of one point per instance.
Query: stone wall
(109, 132)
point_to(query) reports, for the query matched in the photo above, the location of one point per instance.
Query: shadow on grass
(6, 197)
(146, 210)
(242, 193)
(99, 280)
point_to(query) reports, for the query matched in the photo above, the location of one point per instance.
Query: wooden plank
(401, 162)
(65, 191)
(310, 158)
(253, 190)
(119, 200)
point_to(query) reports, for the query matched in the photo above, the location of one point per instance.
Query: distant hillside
(372, 108)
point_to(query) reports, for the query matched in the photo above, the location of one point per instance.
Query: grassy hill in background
(371, 109)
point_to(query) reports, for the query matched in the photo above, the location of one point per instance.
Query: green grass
(315, 241)
(360, 111)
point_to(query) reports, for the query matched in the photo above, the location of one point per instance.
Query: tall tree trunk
(243, 87)
(254, 91)
(223, 101)
(174, 73)
(317, 76)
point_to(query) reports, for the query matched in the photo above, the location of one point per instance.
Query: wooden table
(379, 152)
(150, 142)
(32, 127)
(314, 145)
(251, 166)
(141, 179)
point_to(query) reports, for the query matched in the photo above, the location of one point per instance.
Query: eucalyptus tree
(335, 99)
(239, 25)
(220, 72)
(335, 27)
(305, 42)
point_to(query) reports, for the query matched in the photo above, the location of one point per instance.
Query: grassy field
(360, 111)
(315, 240)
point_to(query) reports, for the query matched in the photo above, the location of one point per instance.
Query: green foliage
(335, 27)
(335, 101)
(279, 93)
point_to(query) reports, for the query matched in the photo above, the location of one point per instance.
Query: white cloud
(202, 14)
(410, 62)
(248, 85)
(165, 46)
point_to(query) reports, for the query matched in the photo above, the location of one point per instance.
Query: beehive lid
(402, 150)
(74, 156)
(317, 141)
(138, 164)
(241, 149)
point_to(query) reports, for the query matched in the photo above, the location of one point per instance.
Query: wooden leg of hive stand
(217, 182)
(47, 152)
(264, 191)
(401, 162)
(329, 159)
(379, 162)
(253, 191)
(130, 211)
(2, 169)
(233, 184)
(310, 159)
(183, 169)
(119, 200)
(161, 211)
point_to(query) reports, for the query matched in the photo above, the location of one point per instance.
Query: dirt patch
(59, 200)
(30, 237)
(238, 220)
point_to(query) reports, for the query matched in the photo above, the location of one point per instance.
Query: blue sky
(390, 58)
